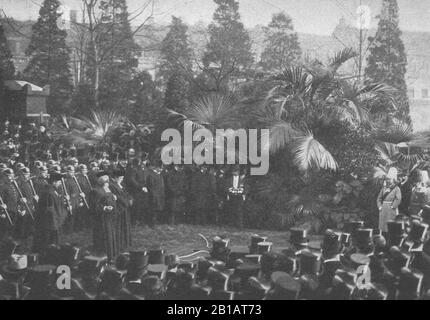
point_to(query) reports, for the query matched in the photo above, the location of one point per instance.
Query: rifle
(6, 212)
(32, 187)
(80, 191)
(22, 197)
(69, 205)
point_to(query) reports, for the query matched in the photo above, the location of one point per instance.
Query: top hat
(156, 256)
(298, 236)
(418, 231)
(358, 259)
(331, 244)
(284, 287)
(285, 264)
(352, 226)
(68, 255)
(112, 281)
(118, 172)
(91, 266)
(217, 279)
(310, 263)
(247, 270)
(395, 229)
(264, 247)
(255, 239)
(410, 283)
(153, 287)
(136, 266)
(425, 214)
(41, 276)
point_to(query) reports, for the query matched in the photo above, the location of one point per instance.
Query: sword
(6, 212)
(22, 197)
(80, 191)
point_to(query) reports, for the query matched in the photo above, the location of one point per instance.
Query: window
(425, 93)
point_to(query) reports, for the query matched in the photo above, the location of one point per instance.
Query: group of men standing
(41, 203)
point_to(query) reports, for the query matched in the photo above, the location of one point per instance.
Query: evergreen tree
(176, 54)
(146, 100)
(282, 47)
(176, 66)
(7, 68)
(118, 54)
(387, 60)
(228, 54)
(49, 56)
(177, 92)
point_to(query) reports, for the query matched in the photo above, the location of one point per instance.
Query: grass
(184, 239)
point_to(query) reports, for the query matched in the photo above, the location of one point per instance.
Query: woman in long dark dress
(105, 211)
(123, 205)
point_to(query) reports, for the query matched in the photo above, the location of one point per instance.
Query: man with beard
(50, 214)
(135, 182)
(176, 190)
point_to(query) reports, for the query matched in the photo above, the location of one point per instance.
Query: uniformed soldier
(41, 180)
(12, 201)
(72, 223)
(157, 197)
(25, 185)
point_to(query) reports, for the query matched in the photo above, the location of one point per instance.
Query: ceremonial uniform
(11, 199)
(72, 222)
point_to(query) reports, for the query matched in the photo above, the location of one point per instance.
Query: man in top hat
(86, 187)
(50, 214)
(135, 182)
(176, 190)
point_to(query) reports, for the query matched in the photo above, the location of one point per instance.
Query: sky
(309, 16)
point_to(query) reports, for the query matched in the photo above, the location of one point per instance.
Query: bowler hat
(255, 239)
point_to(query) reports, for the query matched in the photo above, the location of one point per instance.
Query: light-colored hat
(392, 173)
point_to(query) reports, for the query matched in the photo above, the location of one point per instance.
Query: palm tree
(307, 97)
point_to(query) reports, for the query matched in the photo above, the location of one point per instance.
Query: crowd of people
(43, 197)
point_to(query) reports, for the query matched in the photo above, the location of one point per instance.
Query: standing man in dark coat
(26, 226)
(123, 205)
(103, 204)
(202, 195)
(86, 187)
(41, 180)
(73, 221)
(157, 195)
(176, 191)
(10, 203)
(135, 182)
(50, 214)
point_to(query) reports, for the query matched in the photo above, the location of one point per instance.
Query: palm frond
(281, 134)
(387, 152)
(101, 123)
(310, 154)
(305, 203)
(341, 57)
(397, 133)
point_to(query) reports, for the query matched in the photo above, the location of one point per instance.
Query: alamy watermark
(241, 146)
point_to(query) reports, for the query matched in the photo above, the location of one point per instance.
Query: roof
(18, 85)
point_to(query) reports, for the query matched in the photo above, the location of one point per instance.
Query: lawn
(184, 239)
